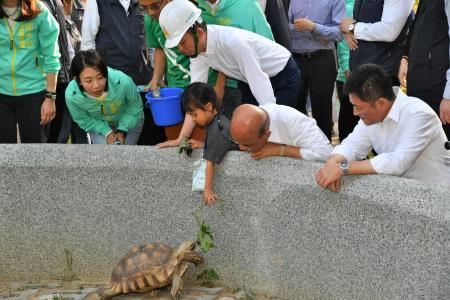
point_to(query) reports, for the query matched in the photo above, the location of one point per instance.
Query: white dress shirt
(409, 142)
(91, 23)
(241, 55)
(290, 127)
(395, 14)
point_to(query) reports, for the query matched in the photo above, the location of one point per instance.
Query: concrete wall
(278, 233)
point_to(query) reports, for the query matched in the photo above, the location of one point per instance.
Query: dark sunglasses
(154, 6)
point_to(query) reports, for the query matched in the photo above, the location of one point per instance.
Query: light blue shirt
(326, 14)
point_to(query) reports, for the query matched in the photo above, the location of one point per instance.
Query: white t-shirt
(241, 55)
(290, 127)
(409, 142)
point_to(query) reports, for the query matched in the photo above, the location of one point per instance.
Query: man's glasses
(153, 6)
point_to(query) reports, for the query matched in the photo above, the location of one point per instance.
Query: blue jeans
(131, 139)
(285, 85)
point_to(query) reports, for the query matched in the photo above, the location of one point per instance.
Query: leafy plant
(186, 147)
(205, 237)
(208, 276)
(57, 297)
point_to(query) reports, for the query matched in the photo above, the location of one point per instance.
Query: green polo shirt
(177, 63)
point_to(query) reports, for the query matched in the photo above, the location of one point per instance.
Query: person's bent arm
(395, 14)
(208, 195)
(91, 23)
(186, 131)
(159, 69)
(414, 140)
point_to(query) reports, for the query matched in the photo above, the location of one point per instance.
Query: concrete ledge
(379, 238)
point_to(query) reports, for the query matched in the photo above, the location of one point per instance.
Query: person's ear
(381, 103)
(209, 107)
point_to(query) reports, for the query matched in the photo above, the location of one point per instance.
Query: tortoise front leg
(177, 283)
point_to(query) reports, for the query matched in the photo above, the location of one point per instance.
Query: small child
(200, 102)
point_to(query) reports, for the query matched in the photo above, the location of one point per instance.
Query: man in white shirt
(278, 130)
(265, 69)
(404, 131)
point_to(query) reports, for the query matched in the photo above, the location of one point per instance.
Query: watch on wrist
(344, 166)
(351, 27)
(50, 95)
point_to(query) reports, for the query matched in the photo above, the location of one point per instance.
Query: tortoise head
(186, 251)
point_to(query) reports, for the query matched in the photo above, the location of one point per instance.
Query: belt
(309, 55)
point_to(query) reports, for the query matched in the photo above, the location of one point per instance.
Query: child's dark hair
(88, 59)
(197, 95)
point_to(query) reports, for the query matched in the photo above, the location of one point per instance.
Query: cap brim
(173, 42)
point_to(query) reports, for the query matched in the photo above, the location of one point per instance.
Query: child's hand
(195, 144)
(209, 197)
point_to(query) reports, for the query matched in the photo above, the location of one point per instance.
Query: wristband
(405, 57)
(50, 95)
(282, 150)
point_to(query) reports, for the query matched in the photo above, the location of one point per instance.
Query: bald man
(278, 130)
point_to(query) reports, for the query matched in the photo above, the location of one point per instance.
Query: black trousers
(26, 111)
(151, 134)
(347, 120)
(319, 72)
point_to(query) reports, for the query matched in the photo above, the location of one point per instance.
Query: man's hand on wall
(329, 175)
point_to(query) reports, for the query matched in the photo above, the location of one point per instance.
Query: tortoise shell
(144, 268)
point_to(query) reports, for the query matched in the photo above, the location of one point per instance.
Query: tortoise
(151, 266)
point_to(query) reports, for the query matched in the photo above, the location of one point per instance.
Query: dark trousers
(231, 100)
(347, 120)
(26, 111)
(151, 134)
(285, 86)
(319, 72)
(62, 126)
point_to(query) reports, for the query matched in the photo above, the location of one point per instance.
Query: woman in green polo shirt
(103, 101)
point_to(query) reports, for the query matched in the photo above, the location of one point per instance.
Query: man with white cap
(265, 69)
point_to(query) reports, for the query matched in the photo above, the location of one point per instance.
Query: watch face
(344, 164)
(351, 27)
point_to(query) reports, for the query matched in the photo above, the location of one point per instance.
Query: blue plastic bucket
(166, 110)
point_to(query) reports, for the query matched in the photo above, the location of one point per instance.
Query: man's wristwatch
(344, 166)
(351, 27)
(50, 95)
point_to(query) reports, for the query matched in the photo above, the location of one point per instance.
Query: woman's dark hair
(28, 10)
(197, 95)
(370, 82)
(88, 59)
